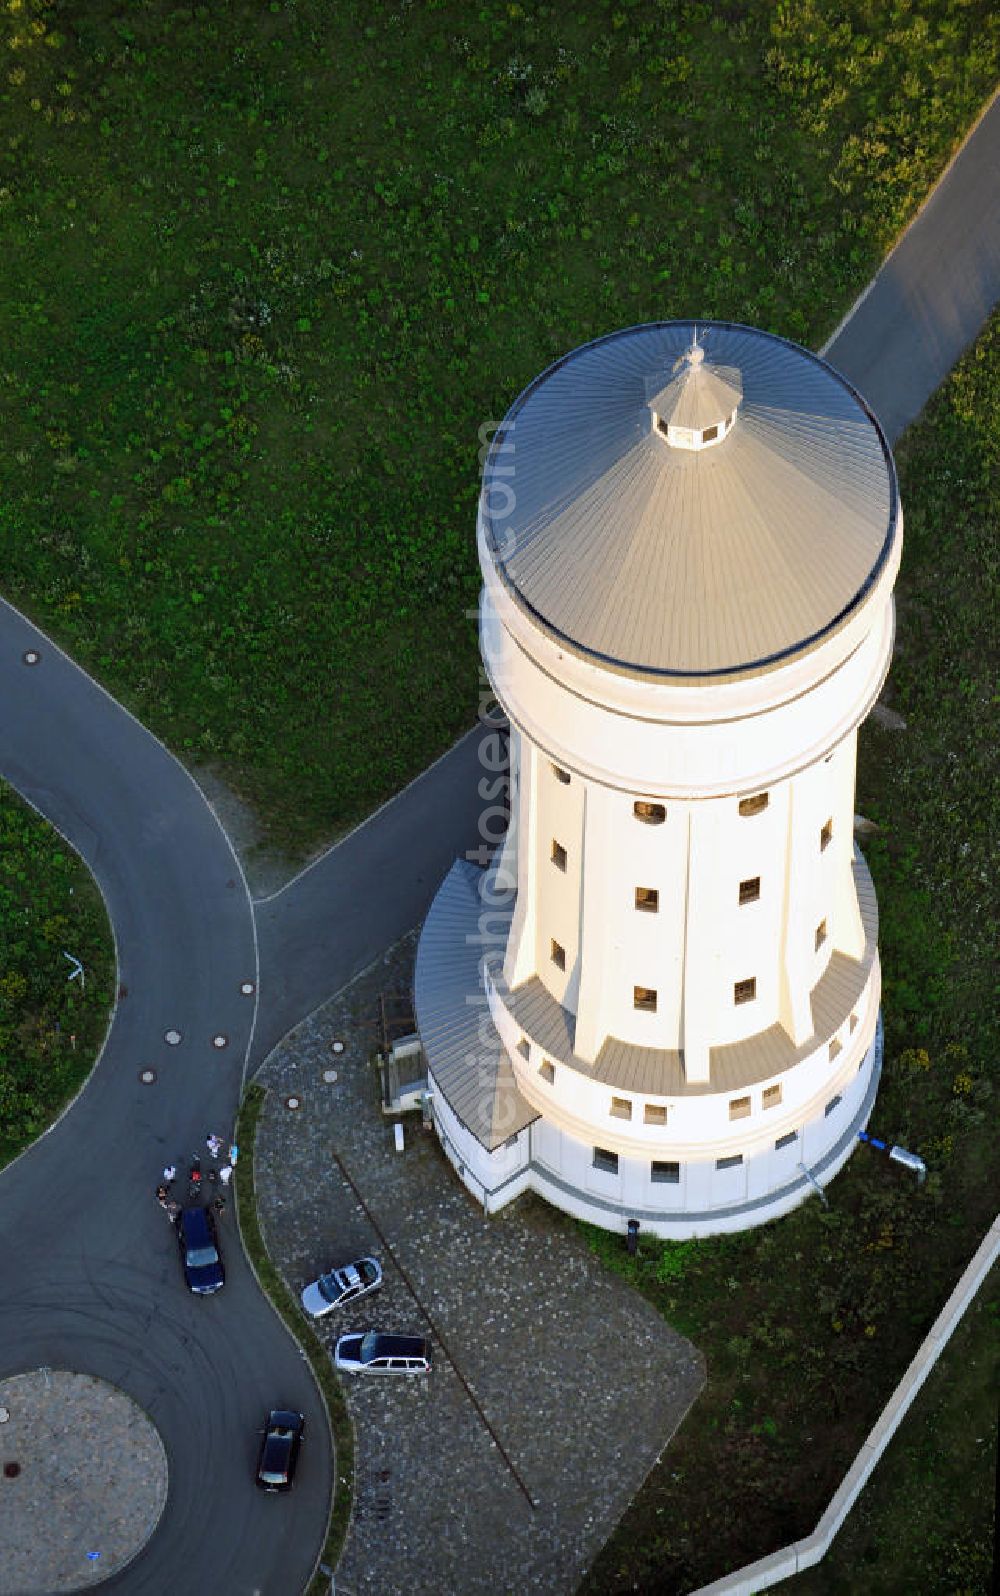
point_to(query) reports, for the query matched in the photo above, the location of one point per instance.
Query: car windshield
(201, 1257)
(330, 1287)
(369, 1345)
(366, 1269)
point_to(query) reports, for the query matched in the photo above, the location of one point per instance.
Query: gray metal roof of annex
(465, 1056)
(667, 562)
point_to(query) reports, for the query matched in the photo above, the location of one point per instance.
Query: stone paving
(554, 1388)
(83, 1481)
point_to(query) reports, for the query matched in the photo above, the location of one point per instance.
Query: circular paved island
(83, 1481)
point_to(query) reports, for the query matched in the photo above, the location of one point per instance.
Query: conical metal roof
(692, 564)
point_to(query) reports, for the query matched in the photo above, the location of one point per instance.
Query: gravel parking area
(66, 1524)
(555, 1387)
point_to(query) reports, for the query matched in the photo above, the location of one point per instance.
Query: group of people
(216, 1177)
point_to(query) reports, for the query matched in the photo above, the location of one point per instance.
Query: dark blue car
(279, 1449)
(203, 1269)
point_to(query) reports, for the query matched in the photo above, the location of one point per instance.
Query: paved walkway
(929, 300)
(83, 1481)
(555, 1386)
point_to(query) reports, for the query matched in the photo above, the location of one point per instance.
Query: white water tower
(662, 1002)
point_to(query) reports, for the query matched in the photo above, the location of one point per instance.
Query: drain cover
(11, 1471)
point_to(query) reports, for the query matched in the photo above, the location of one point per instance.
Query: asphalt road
(921, 311)
(89, 1270)
(88, 1274)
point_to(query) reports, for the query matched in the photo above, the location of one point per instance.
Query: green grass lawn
(808, 1324)
(50, 1028)
(268, 269)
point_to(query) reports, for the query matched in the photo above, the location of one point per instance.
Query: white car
(340, 1286)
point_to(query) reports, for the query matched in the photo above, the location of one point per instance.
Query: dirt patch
(265, 867)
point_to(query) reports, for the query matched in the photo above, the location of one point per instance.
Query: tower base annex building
(660, 1001)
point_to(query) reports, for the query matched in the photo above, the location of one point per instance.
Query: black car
(279, 1449)
(196, 1238)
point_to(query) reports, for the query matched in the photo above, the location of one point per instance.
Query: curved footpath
(922, 309)
(90, 1279)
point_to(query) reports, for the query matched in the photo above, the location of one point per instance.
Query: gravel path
(83, 1481)
(555, 1386)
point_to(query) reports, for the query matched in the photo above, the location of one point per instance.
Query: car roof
(389, 1346)
(196, 1223)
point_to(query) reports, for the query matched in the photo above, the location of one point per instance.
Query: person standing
(224, 1173)
(214, 1144)
(169, 1174)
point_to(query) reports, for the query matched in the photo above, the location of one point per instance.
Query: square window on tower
(755, 805)
(651, 814)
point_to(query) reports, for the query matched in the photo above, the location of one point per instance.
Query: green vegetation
(918, 1510)
(50, 1027)
(284, 1303)
(267, 270)
(808, 1324)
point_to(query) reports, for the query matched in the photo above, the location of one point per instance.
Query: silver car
(374, 1352)
(340, 1286)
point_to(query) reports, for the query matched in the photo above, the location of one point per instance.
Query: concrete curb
(789, 1560)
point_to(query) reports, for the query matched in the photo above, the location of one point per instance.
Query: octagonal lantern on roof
(698, 406)
(660, 1000)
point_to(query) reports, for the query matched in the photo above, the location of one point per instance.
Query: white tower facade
(661, 1002)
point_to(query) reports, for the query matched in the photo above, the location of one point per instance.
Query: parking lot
(554, 1386)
